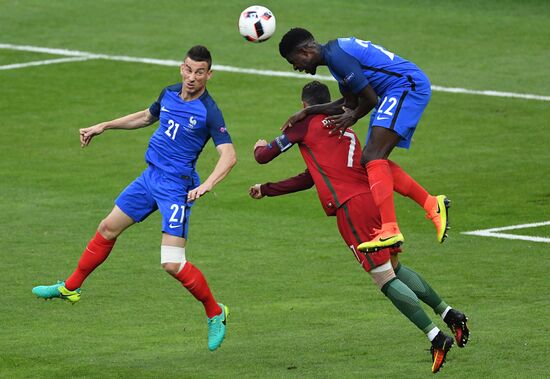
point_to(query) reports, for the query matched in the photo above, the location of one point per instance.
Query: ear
(182, 67)
(303, 50)
(307, 49)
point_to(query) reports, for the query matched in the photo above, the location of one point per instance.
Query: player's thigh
(115, 223)
(171, 197)
(399, 111)
(357, 220)
(136, 200)
(170, 240)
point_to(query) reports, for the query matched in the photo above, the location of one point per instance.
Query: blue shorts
(155, 189)
(400, 110)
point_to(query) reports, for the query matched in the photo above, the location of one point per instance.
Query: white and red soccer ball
(256, 23)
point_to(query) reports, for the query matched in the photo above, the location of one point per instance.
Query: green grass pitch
(301, 306)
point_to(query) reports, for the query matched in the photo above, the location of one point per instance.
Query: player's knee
(171, 268)
(382, 274)
(371, 155)
(172, 259)
(107, 229)
(394, 261)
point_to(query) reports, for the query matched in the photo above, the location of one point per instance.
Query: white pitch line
(492, 232)
(285, 74)
(41, 63)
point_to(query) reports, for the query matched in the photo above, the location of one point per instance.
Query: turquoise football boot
(57, 290)
(216, 328)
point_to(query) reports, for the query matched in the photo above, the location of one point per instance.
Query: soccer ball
(257, 23)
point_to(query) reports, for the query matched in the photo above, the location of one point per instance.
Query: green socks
(407, 302)
(421, 288)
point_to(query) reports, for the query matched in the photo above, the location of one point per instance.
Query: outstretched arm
(228, 159)
(296, 183)
(132, 121)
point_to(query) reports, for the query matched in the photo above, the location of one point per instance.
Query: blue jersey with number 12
(355, 63)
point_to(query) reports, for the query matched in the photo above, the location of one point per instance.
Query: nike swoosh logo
(385, 239)
(173, 226)
(382, 118)
(164, 109)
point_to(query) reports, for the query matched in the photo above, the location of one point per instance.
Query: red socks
(407, 186)
(193, 279)
(381, 186)
(96, 252)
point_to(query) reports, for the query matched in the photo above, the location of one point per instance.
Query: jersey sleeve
(154, 109)
(216, 126)
(297, 183)
(295, 134)
(348, 69)
(265, 154)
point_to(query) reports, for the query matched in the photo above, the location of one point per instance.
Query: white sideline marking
(285, 74)
(41, 63)
(491, 232)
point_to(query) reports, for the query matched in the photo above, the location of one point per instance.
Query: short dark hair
(315, 93)
(200, 53)
(292, 39)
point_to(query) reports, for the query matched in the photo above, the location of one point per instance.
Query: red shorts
(357, 218)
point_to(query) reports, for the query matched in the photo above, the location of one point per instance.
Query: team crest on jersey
(223, 129)
(192, 122)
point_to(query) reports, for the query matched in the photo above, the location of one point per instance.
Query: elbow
(233, 160)
(261, 161)
(260, 157)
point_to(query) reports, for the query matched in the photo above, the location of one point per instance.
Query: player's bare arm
(132, 121)
(366, 101)
(332, 108)
(228, 159)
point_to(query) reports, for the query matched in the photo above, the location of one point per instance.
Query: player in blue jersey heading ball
(188, 117)
(397, 91)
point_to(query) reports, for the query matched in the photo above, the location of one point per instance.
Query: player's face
(195, 74)
(303, 60)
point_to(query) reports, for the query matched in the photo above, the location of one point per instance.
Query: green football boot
(57, 290)
(216, 328)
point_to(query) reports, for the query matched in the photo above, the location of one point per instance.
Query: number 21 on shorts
(178, 214)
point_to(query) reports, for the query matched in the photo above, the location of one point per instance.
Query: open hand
(86, 134)
(300, 115)
(194, 194)
(341, 121)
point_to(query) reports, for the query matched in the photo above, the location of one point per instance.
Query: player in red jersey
(333, 166)
(397, 91)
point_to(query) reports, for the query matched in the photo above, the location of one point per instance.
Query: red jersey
(332, 162)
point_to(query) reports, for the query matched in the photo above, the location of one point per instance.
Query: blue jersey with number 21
(185, 127)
